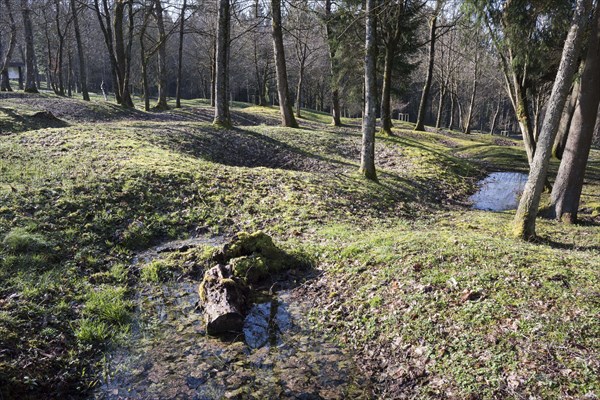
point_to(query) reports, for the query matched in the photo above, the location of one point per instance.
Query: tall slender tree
(336, 118)
(566, 192)
(80, 51)
(433, 21)
(12, 41)
(222, 116)
(367, 153)
(285, 104)
(180, 54)
(162, 57)
(524, 222)
(30, 81)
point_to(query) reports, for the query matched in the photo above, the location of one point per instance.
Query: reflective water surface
(499, 191)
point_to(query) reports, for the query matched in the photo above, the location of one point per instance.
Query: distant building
(15, 70)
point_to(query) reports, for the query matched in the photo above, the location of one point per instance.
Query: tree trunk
(180, 55)
(473, 93)
(106, 27)
(438, 119)
(213, 73)
(420, 125)
(524, 222)
(336, 119)
(565, 121)
(299, 89)
(121, 53)
(144, 60)
(524, 118)
(386, 112)
(567, 188)
(367, 153)
(58, 72)
(452, 104)
(495, 118)
(162, 58)
(12, 41)
(285, 106)
(222, 116)
(80, 53)
(69, 71)
(30, 85)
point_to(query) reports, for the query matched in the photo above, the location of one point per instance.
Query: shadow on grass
(20, 123)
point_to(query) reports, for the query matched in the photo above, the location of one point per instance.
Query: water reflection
(500, 191)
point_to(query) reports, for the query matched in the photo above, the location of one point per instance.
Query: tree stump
(224, 301)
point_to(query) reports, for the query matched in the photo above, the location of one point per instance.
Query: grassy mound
(413, 279)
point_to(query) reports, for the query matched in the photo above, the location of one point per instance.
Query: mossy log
(224, 301)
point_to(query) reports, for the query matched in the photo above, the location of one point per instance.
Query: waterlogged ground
(169, 355)
(431, 298)
(499, 191)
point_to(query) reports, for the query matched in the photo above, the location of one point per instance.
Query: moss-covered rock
(254, 257)
(252, 268)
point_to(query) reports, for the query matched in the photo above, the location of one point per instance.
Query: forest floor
(431, 298)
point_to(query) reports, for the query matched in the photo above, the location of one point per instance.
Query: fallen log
(224, 301)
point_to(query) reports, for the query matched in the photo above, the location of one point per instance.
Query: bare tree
(222, 116)
(420, 125)
(566, 192)
(80, 52)
(162, 57)
(12, 41)
(285, 105)
(30, 81)
(367, 153)
(524, 222)
(180, 54)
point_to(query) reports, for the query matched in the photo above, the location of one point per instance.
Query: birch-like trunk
(566, 192)
(524, 222)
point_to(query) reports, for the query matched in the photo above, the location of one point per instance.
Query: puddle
(278, 355)
(500, 191)
(175, 245)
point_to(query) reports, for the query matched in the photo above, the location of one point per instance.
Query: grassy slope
(433, 298)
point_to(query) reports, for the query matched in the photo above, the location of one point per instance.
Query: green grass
(454, 305)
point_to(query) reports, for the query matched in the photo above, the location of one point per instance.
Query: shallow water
(499, 191)
(169, 355)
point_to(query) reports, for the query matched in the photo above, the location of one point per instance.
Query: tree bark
(58, 71)
(367, 153)
(30, 85)
(336, 119)
(299, 90)
(122, 51)
(420, 125)
(12, 41)
(80, 53)
(565, 121)
(386, 112)
(524, 222)
(495, 118)
(107, 32)
(223, 301)
(566, 192)
(467, 126)
(180, 55)
(162, 58)
(222, 116)
(285, 106)
(441, 104)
